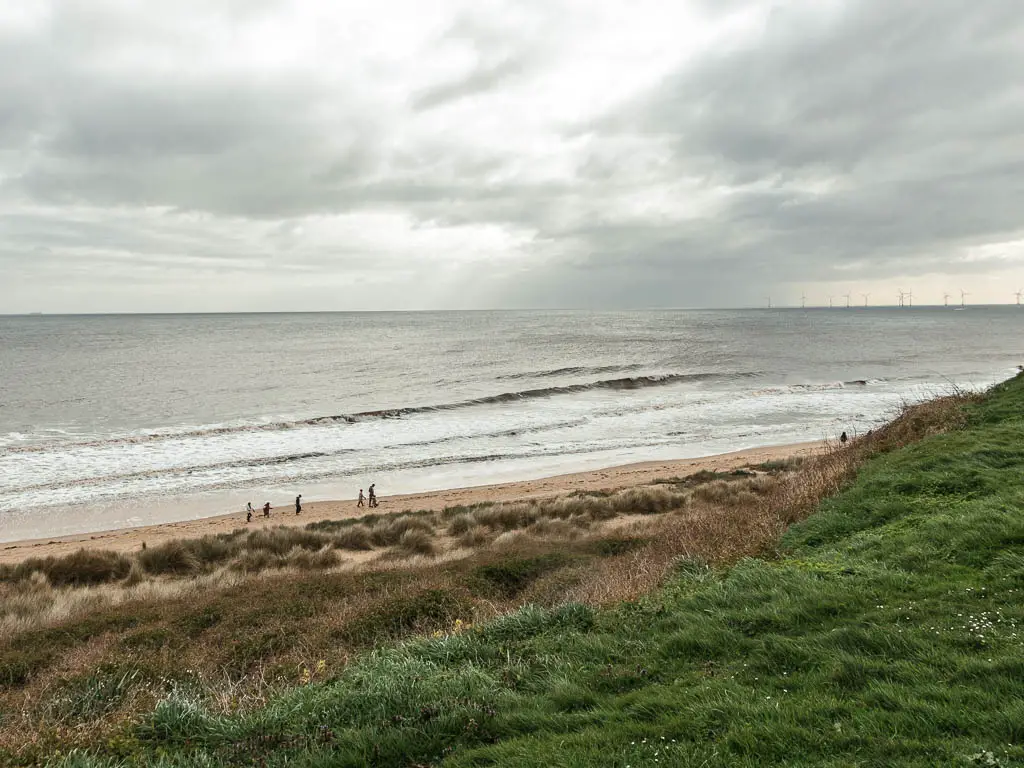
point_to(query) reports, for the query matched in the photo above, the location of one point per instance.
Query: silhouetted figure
(843, 438)
(373, 495)
(362, 499)
(266, 509)
(298, 504)
(248, 515)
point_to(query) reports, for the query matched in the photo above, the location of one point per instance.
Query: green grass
(889, 631)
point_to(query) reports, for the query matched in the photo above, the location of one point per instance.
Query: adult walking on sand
(373, 494)
(298, 504)
(266, 509)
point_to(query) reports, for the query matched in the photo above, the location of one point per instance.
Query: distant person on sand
(361, 499)
(843, 438)
(266, 509)
(373, 494)
(298, 504)
(248, 514)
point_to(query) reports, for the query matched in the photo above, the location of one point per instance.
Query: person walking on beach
(266, 509)
(373, 495)
(361, 499)
(298, 504)
(248, 514)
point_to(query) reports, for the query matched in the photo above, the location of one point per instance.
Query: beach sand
(130, 539)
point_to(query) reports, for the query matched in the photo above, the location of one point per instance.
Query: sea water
(110, 421)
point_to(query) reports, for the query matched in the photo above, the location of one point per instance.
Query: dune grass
(882, 630)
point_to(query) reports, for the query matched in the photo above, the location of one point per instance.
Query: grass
(883, 629)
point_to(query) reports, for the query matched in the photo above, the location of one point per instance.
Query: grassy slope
(887, 635)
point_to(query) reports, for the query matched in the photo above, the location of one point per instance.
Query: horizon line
(503, 309)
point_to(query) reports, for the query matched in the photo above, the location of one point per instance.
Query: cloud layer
(277, 155)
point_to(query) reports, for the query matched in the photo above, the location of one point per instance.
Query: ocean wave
(285, 459)
(263, 461)
(796, 388)
(97, 489)
(625, 383)
(577, 370)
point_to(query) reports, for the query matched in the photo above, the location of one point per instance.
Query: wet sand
(130, 539)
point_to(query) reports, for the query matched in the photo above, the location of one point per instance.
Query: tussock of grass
(460, 524)
(474, 537)
(321, 559)
(390, 531)
(417, 542)
(81, 568)
(174, 557)
(356, 537)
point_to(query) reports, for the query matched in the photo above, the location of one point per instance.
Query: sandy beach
(129, 539)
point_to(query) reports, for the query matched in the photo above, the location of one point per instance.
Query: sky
(275, 155)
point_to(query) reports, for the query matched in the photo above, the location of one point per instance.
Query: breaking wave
(569, 371)
(625, 383)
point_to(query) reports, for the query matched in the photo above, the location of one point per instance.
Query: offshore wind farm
(904, 299)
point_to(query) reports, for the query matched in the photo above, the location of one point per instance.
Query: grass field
(886, 629)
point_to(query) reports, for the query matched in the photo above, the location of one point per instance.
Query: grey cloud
(862, 139)
(883, 138)
(479, 81)
(502, 53)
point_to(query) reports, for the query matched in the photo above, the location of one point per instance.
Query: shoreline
(621, 476)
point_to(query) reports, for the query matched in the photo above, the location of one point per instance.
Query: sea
(126, 420)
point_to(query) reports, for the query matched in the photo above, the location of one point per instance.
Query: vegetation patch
(511, 576)
(397, 616)
(614, 546)
(82, 568)
(881, 628)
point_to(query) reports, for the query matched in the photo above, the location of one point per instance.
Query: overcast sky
(225, 155)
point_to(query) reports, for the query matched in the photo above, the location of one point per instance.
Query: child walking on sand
(361, 499)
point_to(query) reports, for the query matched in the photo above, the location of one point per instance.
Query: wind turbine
(847, 297)
(910, 298)
(830, 302)
(865, 295)
(963, 295)
(1017, 294)
(945, 300)
(803, 301)
(769, 302)
(901, 297)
